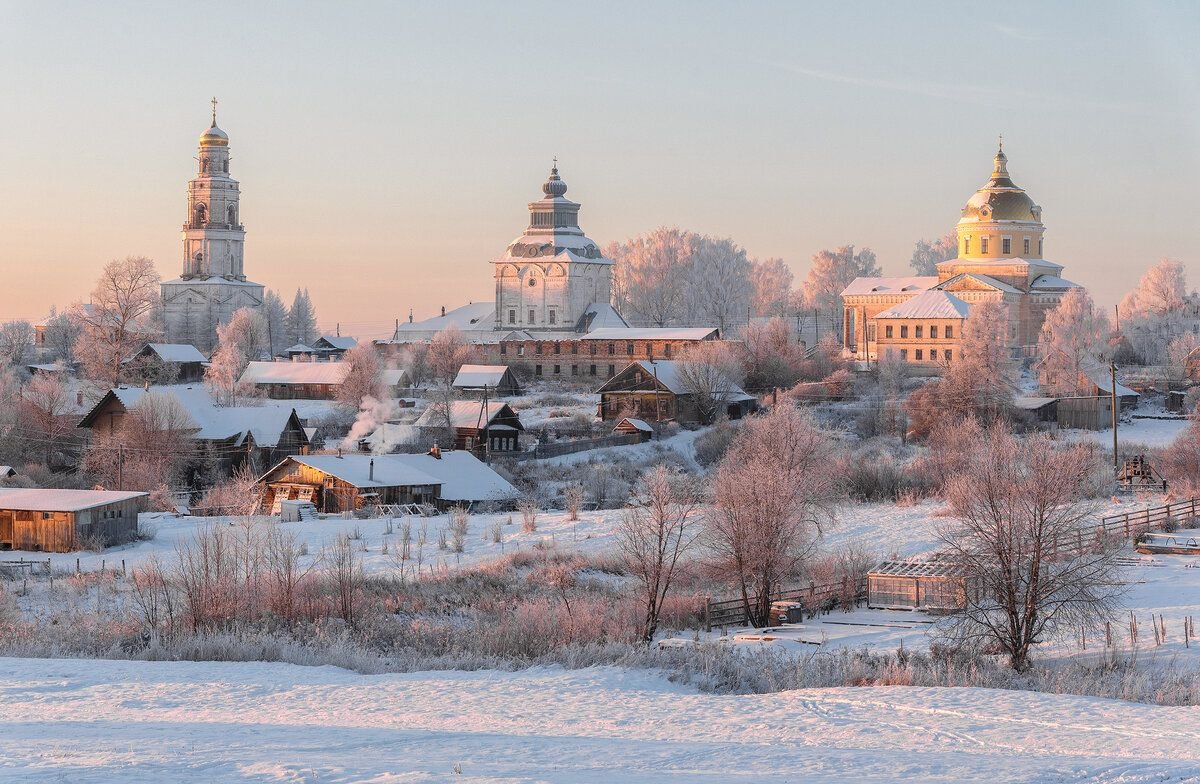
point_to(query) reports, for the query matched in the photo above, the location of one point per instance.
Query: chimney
(435, 453)
(371, 470)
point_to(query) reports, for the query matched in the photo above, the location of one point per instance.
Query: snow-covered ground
(133, 722)
(1144, 432)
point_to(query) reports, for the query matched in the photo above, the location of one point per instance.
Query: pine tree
(302, 319)
(275, 314)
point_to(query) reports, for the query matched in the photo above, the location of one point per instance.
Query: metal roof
(932, 568)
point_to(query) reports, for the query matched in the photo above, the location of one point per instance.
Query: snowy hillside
(129, 722)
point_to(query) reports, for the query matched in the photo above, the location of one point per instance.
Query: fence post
(707, 614)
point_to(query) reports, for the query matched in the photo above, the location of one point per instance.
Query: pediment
(970, 282)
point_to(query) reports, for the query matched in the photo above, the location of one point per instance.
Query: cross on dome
(214, 111)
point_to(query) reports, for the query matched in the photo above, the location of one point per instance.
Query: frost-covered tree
(1019, 540)
(46, 413)
(719, 290)
(275, 316)
(831, 272)
(119, 320)
(651, 275)
(148, 450)
(448, 351)
(1074, 336)
(16, 342)
(773, 495)
(364, 378)
(773, 358)
(302, 320)
(659, 527)
(60, 335)
(928, 253)
(772, 282)
(239, 342)
(709, 372)
(1152, 315)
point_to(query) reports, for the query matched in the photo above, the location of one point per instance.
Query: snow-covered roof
(175, 352)
(601, 315)
(1000, 261)
(394, 376)
(986, 280)
(295, 373)
(1053, 282)
(7, 471)
(477, 315)
(890, 285)
(1103, 381)
(464, 477)
(265, 422)
(463, 413)
(651, 333)
(335, 342)
(669, 375)
(1031, 403)
(299, 348)
(637, 424)
(927, 305)
(33, 499)
(478, 376)
(355, 469)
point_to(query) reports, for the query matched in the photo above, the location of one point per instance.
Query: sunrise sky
(386, 151)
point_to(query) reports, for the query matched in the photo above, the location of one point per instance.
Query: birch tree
(1074, 336)
(771, 280)
(119, 320)
(831, 272)
(364, 378)
(719, 291)
(1152, 315)
(928, 253)
(651, 274)
(710, 373)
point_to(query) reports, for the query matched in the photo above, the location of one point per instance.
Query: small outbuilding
(184, 359)
(496, 380)
(658, 390)
(916, 585)
(332, 347)
(59, 521)
(497, 425)
(630, 426)
(296, 380)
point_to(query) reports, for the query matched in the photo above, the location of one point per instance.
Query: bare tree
(659, 526)
(709, 372)
(46, 413)
(448, 351)
(1152, 314)
(60, 335)
(119, 319)
(16, 342)
(773, 494)
(243, 339)
(774, 357)
(1024, 539)
(651, 273)
(719, 290)
(345, 575)
(149, 448)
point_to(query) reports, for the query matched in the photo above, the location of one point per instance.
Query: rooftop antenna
(214, 105)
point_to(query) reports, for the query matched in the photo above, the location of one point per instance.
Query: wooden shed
(60, 521)
(630, 426)
(916, 585)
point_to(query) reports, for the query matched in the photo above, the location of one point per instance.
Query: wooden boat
(1166, 544)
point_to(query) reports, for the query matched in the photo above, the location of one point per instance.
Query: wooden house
(916, 585)
(352, 481)
(496, 380)
(60, 521)
(657, 392)
(332, 347)
(497, 425)
(296, 380)
(184, 361)
(262, 434)
(630, 426)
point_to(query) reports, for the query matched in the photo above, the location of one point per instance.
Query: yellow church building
(920, 319)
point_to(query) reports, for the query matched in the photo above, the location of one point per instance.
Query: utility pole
(120, 466)
(1112, 369)
(486, 436)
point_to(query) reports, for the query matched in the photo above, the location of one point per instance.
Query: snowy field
(1144, 432)
(132, 722)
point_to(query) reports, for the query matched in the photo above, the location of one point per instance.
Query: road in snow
(130, 722)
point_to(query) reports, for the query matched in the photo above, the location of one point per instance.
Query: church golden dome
(1000, 199)
(214, 137)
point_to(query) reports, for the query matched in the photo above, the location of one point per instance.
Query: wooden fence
(1132, 524)
(543, 451)
(815, 598)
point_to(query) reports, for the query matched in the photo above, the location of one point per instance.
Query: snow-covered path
(92, 721)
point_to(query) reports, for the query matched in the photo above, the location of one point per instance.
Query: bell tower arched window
(197, 264)
(232, 215)
(201, 214)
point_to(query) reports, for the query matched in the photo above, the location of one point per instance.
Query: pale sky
(386, 151)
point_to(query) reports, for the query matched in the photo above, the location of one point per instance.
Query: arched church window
(197, 263)
(201, 214)
(225, 167)
(232, 216)
(204, 166)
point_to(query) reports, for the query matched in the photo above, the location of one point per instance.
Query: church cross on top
(214, 105)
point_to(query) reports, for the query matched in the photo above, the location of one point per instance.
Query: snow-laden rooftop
(651, 333)
(890, 285)
(1001, 261)
(475, 316)
(927, 305)
(295, 373)
(478, 376)
(335, 342)
(176, 352)
(670, 375)
(601, 315)
(32, 499)
(464, 477)
(463, 413)
(356, 469)
(1053, 282)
